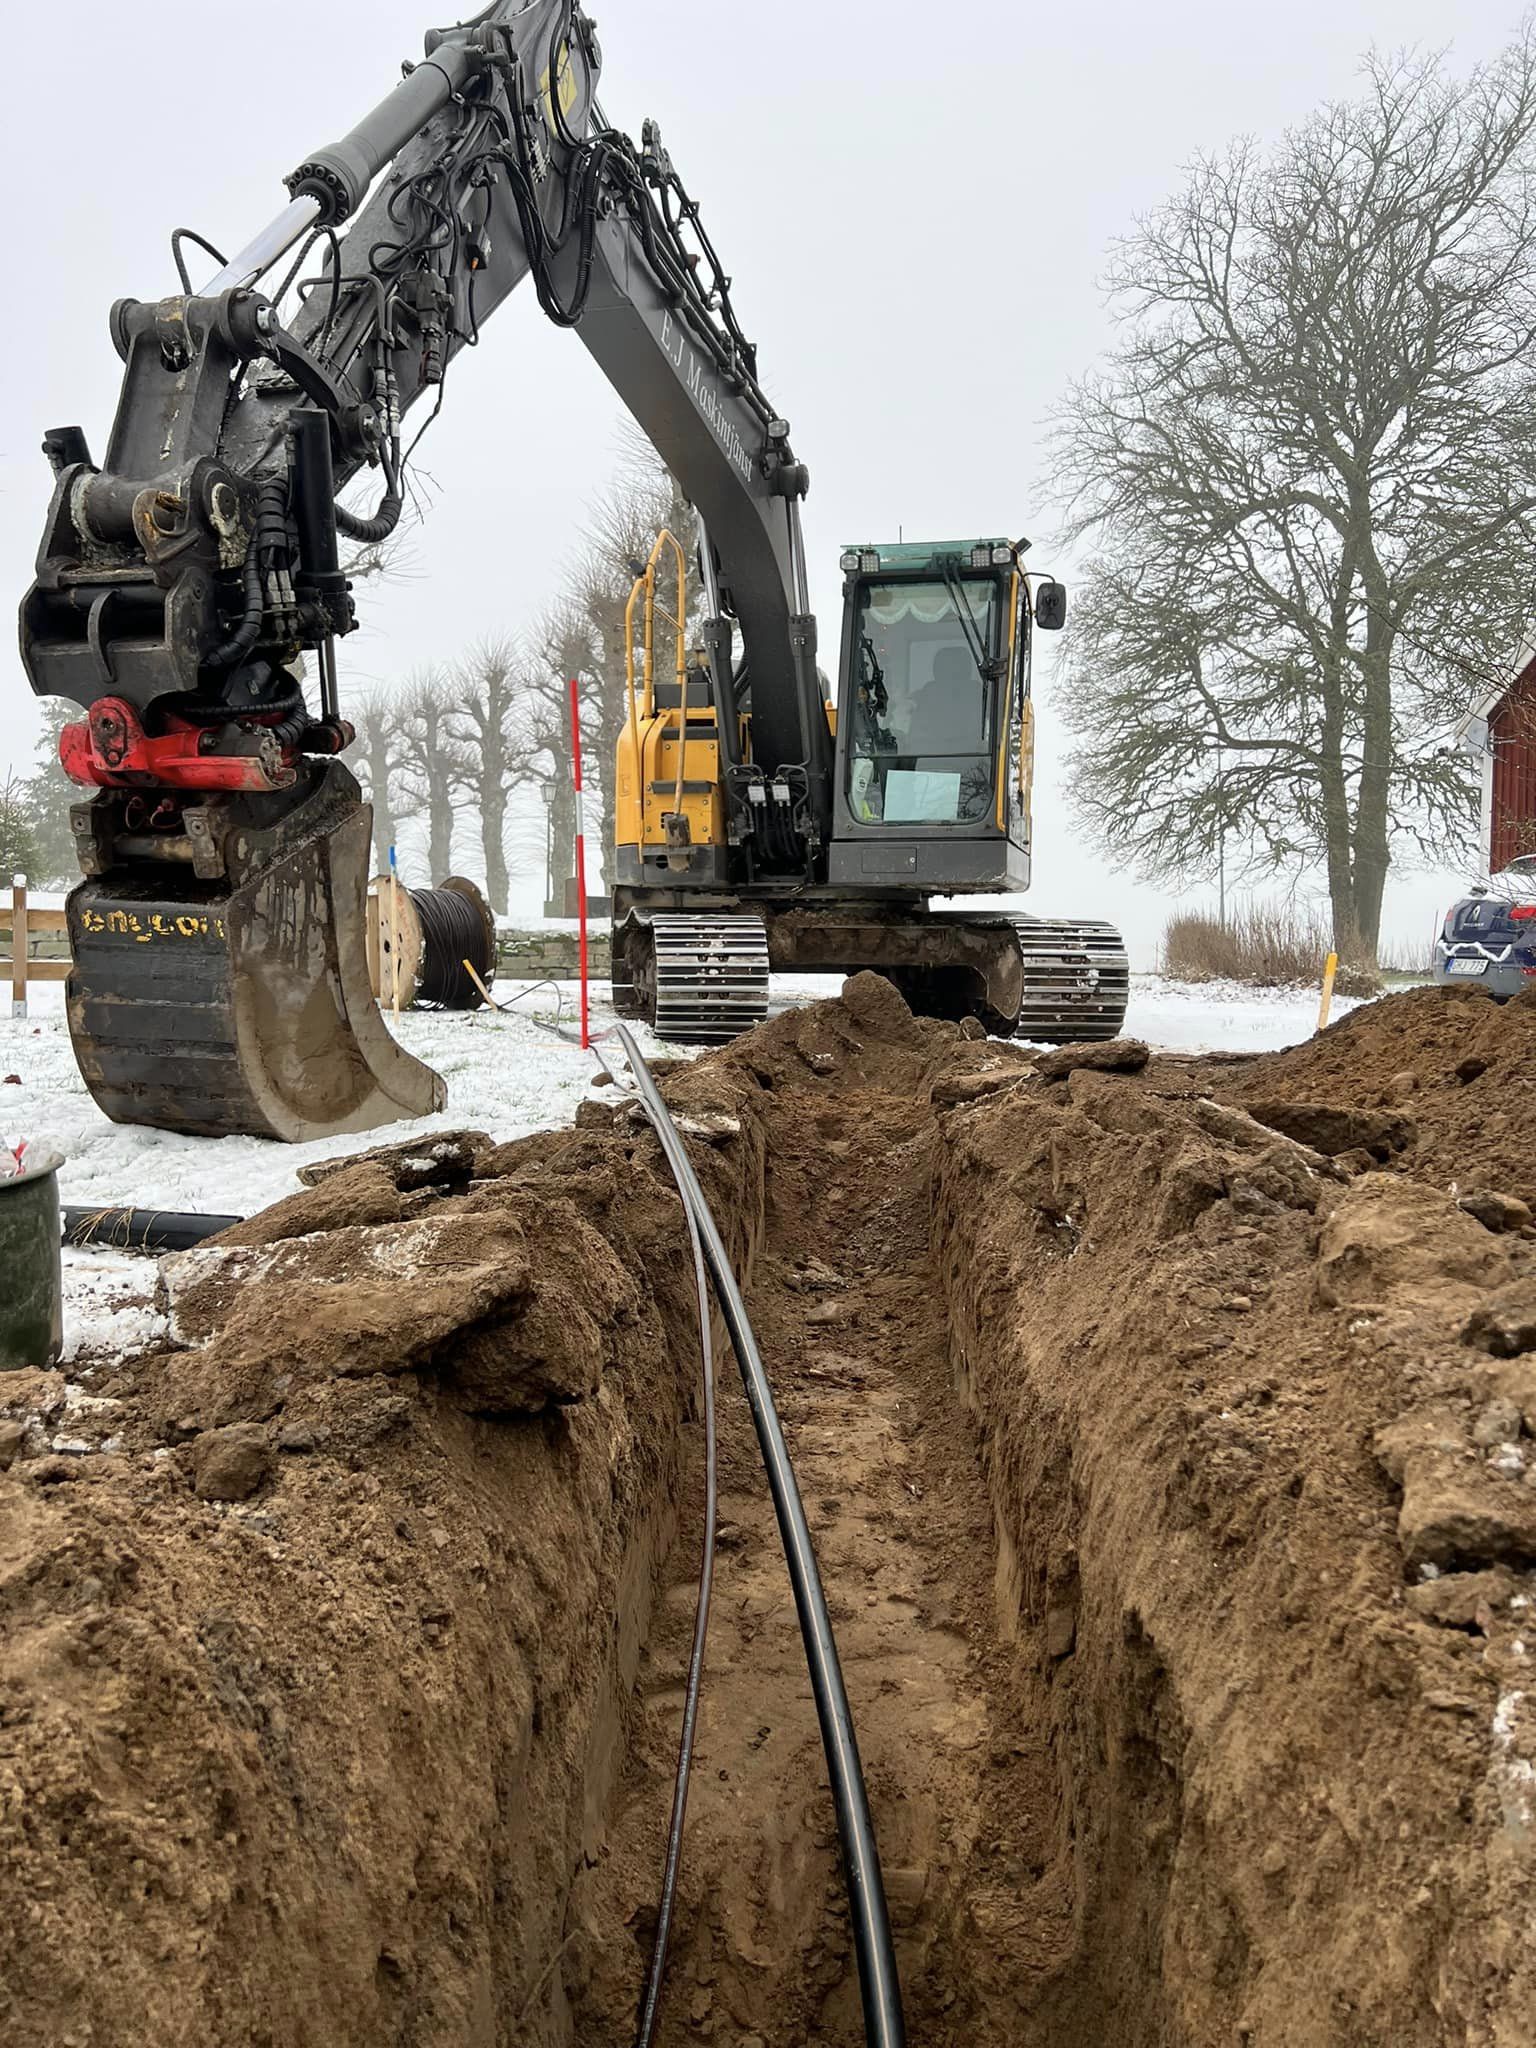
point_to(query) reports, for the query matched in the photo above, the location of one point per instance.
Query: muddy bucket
(31, 1279)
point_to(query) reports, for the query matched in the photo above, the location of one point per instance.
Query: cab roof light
(989, 554)
(859, 561)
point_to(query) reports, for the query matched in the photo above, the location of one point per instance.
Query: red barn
(1502, 730)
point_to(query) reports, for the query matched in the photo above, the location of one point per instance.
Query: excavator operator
(949, 712)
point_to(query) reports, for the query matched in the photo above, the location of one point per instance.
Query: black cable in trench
(879, 1990)
(650, 2009)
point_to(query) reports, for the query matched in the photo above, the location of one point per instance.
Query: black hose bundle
(268, 545)
(456, 925)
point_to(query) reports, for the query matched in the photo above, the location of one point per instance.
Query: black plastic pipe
(650, 2005)
(879, 1990)
(141, 1230)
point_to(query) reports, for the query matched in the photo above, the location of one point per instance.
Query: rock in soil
(1116, 1056)
(232, 1463)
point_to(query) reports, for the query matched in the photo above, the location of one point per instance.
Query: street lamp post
(548, 792)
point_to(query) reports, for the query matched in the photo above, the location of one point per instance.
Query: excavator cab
(932, 773)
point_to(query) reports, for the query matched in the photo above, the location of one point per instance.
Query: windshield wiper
(988, 669)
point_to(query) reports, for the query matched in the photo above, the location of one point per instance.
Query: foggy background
(914, 202)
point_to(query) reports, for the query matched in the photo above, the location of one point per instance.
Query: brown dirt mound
(1167, 1434)
(1457, 1064)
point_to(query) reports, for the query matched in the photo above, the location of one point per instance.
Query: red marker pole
(581, 863)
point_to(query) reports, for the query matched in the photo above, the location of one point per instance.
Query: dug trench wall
(317, 1633)
(1256, 1425)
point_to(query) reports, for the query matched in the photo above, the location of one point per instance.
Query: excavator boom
(191, 592)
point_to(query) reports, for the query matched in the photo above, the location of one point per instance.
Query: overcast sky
(915, 203)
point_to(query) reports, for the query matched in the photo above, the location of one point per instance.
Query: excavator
(190, 594)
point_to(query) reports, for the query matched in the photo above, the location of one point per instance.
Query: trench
(949, 1670)
(1124, 1422)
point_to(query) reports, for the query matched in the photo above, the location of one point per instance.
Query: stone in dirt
(1460, 1599)
(437, 1161)
(1387, 1235)
(232, 1463)
(1505, 1325)
(1455, 1513)
(12, 1436)
(1116, 1056)
(1460, 1517)
(1495, 1211)
(1331, 1129)
(1498, 1423)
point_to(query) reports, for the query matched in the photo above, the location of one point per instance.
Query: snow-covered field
(507, 1073)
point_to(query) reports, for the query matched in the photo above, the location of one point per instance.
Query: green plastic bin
(31, 1274)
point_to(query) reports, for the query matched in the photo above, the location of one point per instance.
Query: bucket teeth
(242, 1005)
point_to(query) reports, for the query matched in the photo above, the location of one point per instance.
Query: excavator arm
(187, 584)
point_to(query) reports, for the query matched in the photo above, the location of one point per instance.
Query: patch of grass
(1267, 945)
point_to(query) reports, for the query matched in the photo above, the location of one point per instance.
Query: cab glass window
(922, 744)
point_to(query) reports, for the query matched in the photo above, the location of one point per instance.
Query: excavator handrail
(646, 582)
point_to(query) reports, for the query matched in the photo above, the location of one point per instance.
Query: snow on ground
(1221, 1016)
(507, 1073)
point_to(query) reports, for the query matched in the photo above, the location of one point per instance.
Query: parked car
(1490, 936)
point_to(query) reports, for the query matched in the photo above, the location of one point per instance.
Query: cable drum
(456, 925)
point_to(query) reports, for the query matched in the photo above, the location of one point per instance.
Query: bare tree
(434, 767)
(492, 723)
(1308, 472)
(377, 761)
(620, 534)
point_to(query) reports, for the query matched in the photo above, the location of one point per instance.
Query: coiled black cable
(453, 929)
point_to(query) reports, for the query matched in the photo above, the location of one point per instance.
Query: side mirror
(1051, 607)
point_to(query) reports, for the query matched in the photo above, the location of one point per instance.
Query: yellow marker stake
(1329, 971)
(469, 969)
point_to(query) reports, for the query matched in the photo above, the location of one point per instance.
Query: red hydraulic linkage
(111, 750)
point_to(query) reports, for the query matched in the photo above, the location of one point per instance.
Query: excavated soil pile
(1166, 1429)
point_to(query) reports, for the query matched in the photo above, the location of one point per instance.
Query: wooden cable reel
(423, 936)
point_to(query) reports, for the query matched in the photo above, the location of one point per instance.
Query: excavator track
(698, 980)
(1076, 982)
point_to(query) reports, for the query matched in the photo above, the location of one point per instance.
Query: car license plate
(1466, 966)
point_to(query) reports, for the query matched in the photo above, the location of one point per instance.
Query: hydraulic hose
(880, 1992)
(379, 527)
(269, 535)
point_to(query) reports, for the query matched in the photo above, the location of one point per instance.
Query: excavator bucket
(238, 1001)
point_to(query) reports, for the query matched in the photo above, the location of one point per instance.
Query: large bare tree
(489, 724)
(435, 766)
(1309, 473)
